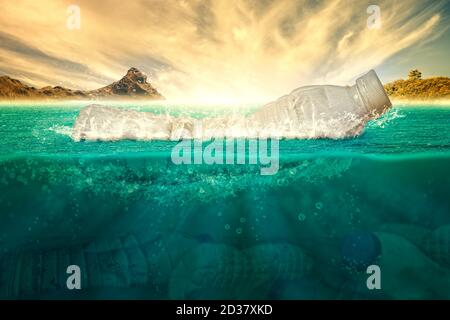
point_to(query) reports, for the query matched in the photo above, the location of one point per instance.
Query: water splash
(387, 118)
(62, 130)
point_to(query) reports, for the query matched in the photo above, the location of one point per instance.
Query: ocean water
(141, 227)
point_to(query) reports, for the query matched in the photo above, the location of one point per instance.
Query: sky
(226, 51)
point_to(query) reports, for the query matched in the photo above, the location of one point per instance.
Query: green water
(140, 226)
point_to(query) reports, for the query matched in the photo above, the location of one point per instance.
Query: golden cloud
(217, 50)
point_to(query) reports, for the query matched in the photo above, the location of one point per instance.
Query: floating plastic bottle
(324, 111)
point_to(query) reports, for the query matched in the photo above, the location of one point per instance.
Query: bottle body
(324, 111)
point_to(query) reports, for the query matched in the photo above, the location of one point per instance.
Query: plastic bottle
(307, 112)
(324, 110)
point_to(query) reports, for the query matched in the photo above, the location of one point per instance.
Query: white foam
(62, 130)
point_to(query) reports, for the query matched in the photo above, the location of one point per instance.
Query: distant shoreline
(432, 102)
(142, 102)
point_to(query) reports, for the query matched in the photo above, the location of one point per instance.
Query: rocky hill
(133, 85)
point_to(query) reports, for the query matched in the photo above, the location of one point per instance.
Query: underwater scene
(140, 226)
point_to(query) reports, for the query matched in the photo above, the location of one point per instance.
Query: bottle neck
(372, 93)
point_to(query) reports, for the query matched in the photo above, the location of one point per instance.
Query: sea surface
(141, 227)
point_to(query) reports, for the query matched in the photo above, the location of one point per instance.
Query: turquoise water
(140, 226)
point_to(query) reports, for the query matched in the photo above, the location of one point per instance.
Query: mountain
(133, 85)
(416, 88)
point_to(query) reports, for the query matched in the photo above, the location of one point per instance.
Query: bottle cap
(373, 92)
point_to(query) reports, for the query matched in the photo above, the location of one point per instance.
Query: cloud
(209, 50)
(8, 42)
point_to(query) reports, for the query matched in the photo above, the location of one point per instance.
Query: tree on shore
(415, 75)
